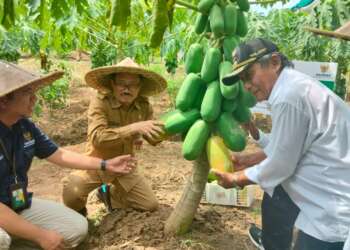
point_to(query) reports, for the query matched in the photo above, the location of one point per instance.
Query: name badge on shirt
(19, 196)
(27, 136)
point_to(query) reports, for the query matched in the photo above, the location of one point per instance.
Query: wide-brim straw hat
(342, 33)
(13, 77)
(151, 82)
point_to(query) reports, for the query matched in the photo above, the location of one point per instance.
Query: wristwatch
(103, 165)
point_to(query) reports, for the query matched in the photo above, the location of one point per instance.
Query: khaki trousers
(78, 185)
(52, 216)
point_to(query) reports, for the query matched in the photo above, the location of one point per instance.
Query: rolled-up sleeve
(99, 131)
(284, 149)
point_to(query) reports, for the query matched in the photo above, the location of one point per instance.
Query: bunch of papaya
(208, 113)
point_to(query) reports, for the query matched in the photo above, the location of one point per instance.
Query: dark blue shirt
(26, 141)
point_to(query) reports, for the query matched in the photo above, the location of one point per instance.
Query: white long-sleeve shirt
(263, 140)
(308, 152)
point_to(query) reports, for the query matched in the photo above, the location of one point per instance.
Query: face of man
(126, 87)
(259, 79)
(21, 103)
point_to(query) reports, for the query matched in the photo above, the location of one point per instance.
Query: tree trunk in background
(181, 218)
(340, 87)
(43, 61)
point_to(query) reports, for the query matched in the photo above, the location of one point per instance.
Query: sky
(279, 5)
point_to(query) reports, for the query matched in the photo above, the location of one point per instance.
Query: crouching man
(119, 116)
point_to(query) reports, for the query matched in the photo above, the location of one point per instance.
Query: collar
(278, 86)
(116, 104)
(4, 130)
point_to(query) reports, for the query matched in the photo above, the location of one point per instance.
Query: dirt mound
(213, 228)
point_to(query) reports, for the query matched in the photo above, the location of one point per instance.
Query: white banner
(322, 71)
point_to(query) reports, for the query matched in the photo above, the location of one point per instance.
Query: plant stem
(201, 37)
(100, 38)
(265, 2)
(187, 5)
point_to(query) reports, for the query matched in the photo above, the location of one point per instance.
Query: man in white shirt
(305, 166)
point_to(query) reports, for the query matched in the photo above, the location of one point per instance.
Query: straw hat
(342, 33)
(151, 82)
(12, 78)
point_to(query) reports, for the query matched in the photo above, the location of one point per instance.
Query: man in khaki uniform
(119, 115)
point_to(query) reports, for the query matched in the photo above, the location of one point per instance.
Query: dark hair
(4, 99)
(9, 96)
(265, 60)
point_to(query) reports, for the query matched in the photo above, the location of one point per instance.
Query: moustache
(126, 93)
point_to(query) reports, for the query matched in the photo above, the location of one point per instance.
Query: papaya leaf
(44, 15)
(120, 12)
(81, 5)
(60, 8)
(160, 22)
(33, 6)
(171, 8)
(8, 18)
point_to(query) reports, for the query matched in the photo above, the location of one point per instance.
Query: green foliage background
(60, 26)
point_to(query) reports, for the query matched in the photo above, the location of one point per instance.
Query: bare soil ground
(214, 227)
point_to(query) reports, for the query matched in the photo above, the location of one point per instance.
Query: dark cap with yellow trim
(246, 54)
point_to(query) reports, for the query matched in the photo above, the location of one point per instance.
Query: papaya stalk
(200, 38)
(215, 43)
(182, 216)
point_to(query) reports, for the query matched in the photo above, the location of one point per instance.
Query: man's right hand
(123, 164)
(245, 160)
(51, 240)
(151, 128)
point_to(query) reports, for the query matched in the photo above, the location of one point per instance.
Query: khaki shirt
(109, 133)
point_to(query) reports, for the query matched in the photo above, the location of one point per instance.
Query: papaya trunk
(181, 218)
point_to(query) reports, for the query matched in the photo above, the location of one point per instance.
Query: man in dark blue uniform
(31, 222)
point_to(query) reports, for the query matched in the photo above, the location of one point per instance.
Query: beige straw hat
(151, 82)
(13, 77)
(342, 33)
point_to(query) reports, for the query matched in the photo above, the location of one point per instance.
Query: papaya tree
(205, 107)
